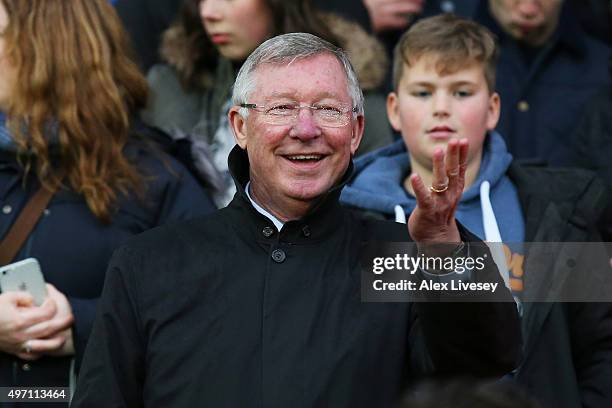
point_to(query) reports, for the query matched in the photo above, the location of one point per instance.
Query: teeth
(304, 157)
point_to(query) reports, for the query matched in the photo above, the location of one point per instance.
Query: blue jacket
(541, 103)
(377, 186)
(73, 247)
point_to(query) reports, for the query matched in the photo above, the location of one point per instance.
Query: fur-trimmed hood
(366, 53)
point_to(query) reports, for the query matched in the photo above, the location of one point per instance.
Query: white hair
(287, 48)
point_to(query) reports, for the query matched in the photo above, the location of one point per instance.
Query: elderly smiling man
(259, 305)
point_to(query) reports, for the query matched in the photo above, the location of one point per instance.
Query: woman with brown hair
(67, 94)
(208, 43)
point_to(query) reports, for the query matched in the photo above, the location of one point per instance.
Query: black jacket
(226, 311)
(592, 147)
(567, 346)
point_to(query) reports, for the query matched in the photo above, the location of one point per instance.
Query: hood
(176, 50)
(377, 183)
(366, 53)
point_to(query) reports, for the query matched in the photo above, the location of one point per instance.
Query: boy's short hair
(453, 40)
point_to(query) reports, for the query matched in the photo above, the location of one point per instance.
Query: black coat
(226, 311)
(593, 139)
(567, 346)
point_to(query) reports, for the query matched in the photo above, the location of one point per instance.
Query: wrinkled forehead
(310, 78)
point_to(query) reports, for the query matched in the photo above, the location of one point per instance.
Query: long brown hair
(200, 57)
(76, 83)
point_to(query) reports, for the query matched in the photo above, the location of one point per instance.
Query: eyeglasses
(286, 113)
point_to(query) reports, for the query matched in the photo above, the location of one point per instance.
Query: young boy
(444, 76)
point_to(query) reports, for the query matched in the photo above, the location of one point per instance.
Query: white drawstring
(492, 235)
(400, 215)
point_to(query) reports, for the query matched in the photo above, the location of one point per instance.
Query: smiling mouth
(305, 158)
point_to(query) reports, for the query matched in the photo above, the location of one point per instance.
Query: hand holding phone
(54, 336)
(17, 318)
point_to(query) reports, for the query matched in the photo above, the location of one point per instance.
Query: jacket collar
(324, 217)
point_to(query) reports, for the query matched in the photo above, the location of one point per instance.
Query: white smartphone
(24, 275)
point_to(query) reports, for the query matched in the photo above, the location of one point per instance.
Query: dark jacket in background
(595, 17)
(228, 312)
(543, 101)
(592, 146)
(74, 248)
(567, 359)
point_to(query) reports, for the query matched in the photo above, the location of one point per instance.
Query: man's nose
(210, 10)
(305, 127)
(528, 8)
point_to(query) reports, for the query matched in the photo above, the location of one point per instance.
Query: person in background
(444, 76)
(388, 19)
(548, 69)
(68, 93)
(208, 43)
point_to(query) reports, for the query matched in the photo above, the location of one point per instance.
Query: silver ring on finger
(27, 347)
(453, 173)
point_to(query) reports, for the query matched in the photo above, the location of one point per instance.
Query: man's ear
(238, 125)
(494, 110)
(393, 111)
(357, 133)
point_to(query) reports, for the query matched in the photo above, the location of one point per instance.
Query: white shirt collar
(277, 223)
